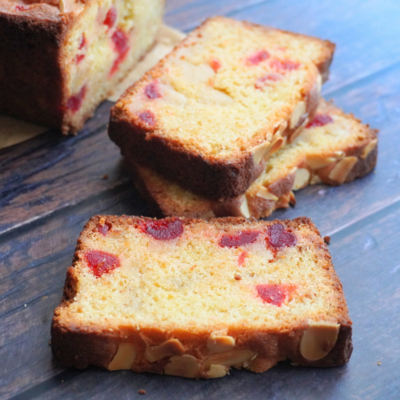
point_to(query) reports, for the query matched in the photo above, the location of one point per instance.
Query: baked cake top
(42, 9)
(227, 87)
(172, 274)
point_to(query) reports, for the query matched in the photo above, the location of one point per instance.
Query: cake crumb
(105, 177)
(45, 297)
(327, 239)
(141, 391)
(238, 277)
(379, 363)
(25, 305)
(49, 343)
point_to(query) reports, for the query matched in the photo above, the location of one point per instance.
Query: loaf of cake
(211, 112)
(333, 148)
(193, 298)
(60, 58)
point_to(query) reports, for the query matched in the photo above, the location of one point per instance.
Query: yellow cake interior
(191, 282)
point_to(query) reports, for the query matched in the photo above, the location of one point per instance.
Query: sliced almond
(277, 142)
(218, 344)
(318, 340)
(368, 148)
(171, 347)
(319, 83)
(297, 132)
(342, 168)
(315, 179)
(244, 208)
(124, 358)
(298, 112)
(61, 5)
(216, 371)
(340, 153)
(201, 73)
(265, 194)
(229, 358)
(282, 128)
(208, 215)
(185, 366)
(319, 162)
(301, 179)
(259, 152)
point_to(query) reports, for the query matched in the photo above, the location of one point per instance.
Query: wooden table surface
(51, 185)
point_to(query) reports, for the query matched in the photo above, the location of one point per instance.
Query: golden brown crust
(239, 346)
(354, 161)
(213, 177)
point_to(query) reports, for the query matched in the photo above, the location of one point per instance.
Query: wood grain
(51, 172)
(366, 257)
(50, 186)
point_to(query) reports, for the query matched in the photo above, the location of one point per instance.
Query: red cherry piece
(319, 120)
(111, 17)
(21, 8)
(74, 103)
(285, 65)
(79, 58)
(148, 117)
(101, 262)
(275, 294)
(103, 229)
(239, 239)
(152, 91)
(120, 40)
(242, 258)
(258, 57)
(215, 64)
(272, 294)
(164, 230)
(278, 237)
(82, 42)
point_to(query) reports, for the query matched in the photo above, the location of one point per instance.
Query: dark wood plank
(51, 172)
(50, 187)
(366, 257)
(189, 14)
(32, 275)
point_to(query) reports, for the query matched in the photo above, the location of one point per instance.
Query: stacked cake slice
(333, 148)
(227, 124)
(211, 112)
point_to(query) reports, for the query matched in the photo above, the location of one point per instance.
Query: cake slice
(60, 58)
(334, 148)
(210, 113)
(193, 298)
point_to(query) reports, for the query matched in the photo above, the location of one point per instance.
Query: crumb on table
(327, 239)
